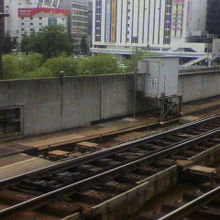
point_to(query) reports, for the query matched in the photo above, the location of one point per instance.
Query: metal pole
(135, 93)
(2, 16)
(135, 84)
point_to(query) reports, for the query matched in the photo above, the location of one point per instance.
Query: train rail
(103, 175)
(201, 198)
(203, 189)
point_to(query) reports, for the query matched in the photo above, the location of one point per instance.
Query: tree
(51, 42)
(7, 45)
(84, 46)
(26, 43)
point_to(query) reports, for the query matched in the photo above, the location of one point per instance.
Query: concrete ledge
(129, 202)
(207, 157)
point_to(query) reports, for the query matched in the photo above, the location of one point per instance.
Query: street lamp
(2, 16)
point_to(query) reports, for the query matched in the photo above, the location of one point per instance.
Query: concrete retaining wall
(195, 86)
(50, 105)
(130, 202)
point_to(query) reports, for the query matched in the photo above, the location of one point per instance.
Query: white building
(34, 19)
(119, 26)
(48, 3)
(11, 7)
(27, 16)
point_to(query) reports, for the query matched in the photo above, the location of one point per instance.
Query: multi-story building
(90, 16)
(48, 3)
(79, 18)
(119, 26)
(2, 23)
(12, 26)
(27, 16)
(34, 19)
(213, 17)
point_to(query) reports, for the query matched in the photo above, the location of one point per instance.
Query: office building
(79, 18)
(119, 26)
(32, 20)
(48, 3)
(27, 16)
(2, 23)
(213, 17)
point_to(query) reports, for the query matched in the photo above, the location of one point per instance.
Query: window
(10, 121)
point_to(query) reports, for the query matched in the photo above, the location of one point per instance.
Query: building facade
(32, 20)
(2, 20)
(48, 3)
(79, 18)
(12, 26)
(213, 17)
(27, 16)
(155, 24)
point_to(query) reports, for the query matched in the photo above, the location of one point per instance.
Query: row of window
(79, 24)
(31, 29)
(83, 7)
(31, 18)
(40, 24)
(40, 18)
(84, 13)
(78, 18)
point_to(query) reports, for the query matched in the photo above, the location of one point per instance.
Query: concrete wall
(50, 105)
(195, 86)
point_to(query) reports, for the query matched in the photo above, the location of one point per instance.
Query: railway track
(88, 181)
(198, 201)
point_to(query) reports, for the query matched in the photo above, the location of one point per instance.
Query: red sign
(31, 12)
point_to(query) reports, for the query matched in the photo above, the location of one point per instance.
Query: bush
(31, 62)
(58, 64)
(40, 72)
(15, 67)
(101, 64)
(32, 66)
(11, 67)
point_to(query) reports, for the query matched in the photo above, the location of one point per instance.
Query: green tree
(84, 46)
(26, 43)
(7, 44)
(51, 42)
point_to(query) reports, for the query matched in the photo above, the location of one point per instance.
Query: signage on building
(31, 12)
